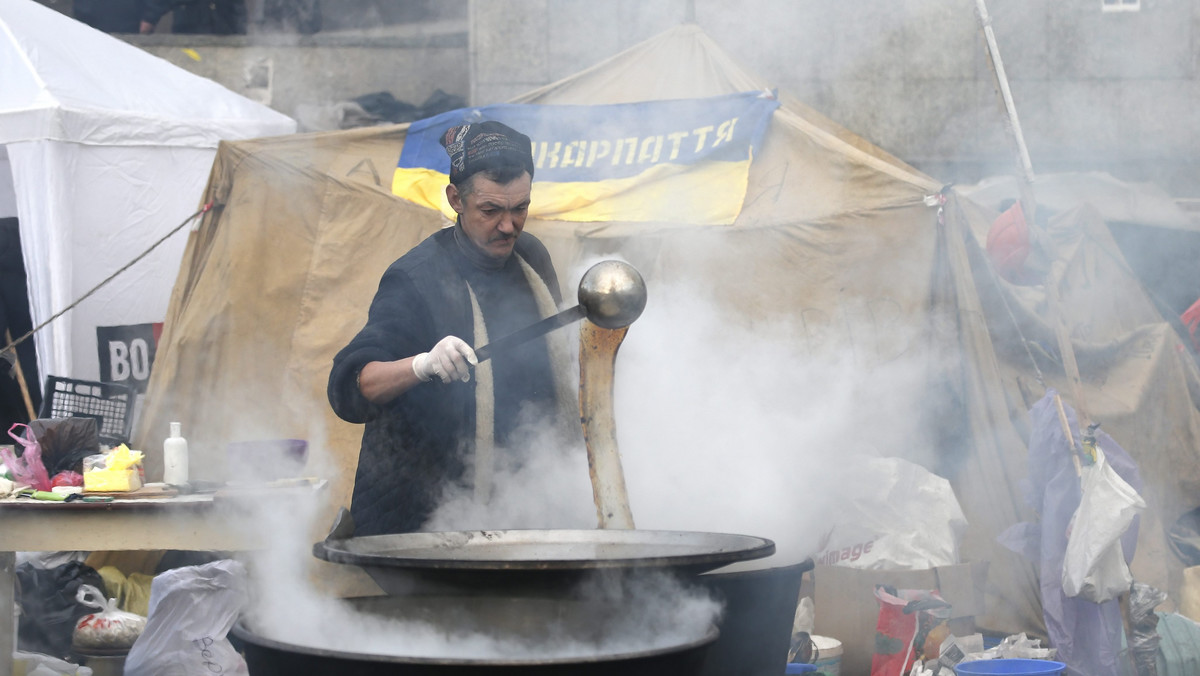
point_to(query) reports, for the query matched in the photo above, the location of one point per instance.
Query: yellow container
(111, 480)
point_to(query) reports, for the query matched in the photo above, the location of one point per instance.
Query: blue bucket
(799, 668)
(1011, 666)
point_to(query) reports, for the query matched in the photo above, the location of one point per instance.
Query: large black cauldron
(526, 625)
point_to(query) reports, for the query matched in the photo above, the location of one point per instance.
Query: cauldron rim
(725, 549)
(241, 631)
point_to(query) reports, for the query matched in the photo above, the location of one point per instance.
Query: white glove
(447, 360)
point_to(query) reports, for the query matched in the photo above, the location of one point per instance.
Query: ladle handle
(530, 332)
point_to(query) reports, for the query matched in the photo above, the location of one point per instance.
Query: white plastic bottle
(175, 458)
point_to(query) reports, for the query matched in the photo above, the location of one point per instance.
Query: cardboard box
(846, 609)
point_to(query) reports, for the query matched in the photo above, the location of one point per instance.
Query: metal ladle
(612, 294)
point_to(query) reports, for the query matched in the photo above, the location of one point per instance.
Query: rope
(1002, 293)
(203, 210)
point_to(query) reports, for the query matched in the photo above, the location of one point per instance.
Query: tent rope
(1000, 291)
(12, 345)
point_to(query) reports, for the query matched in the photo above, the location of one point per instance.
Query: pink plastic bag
(28, 468)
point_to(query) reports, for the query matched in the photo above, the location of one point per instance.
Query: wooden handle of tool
(20, 377)
(597, 359)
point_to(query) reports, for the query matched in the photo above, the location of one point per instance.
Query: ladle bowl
(613, 294)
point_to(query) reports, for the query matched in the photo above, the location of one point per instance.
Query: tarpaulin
(652, 161)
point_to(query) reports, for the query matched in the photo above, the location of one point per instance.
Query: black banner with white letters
(127, 353)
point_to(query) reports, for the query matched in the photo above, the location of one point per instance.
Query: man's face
(493, 214)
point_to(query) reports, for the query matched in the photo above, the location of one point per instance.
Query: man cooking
(411, 374)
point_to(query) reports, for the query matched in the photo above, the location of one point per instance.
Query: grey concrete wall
(1095, 90)
(286, 72)
(410, 49)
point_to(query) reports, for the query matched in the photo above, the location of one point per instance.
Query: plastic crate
(110, 404)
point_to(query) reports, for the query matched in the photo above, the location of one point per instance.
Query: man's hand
(146, 28)
(449, 360)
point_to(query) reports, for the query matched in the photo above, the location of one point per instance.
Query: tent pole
(1029, 205)
(1024, 164)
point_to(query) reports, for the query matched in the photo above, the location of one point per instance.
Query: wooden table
(187, 522)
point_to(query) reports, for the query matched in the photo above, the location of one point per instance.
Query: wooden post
(20, 376)
(597, 359)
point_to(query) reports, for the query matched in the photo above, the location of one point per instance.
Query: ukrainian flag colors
(676, 161)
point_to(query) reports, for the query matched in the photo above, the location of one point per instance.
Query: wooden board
(143, 493)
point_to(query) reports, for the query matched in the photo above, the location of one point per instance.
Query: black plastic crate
(110, 404)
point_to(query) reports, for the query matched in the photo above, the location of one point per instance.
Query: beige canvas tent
(870, 278)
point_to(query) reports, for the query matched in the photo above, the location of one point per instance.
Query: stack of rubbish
(47, 456)
(888, 580)
(141, 628)
(956, 650)
(373, 109)
(68, 619)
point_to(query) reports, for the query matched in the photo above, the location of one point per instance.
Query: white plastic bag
(892, 514)
(1094, 565)
(111, 628)
(37, 664)
(191, 612)
(805, 616)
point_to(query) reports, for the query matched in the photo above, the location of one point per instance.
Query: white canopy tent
(104, 149)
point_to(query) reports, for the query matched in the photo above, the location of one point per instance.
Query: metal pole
(1025, 165)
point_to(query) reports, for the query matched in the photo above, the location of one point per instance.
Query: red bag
(905, 616)
(27, 468)
(1191, 319)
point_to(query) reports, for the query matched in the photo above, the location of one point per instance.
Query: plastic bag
(119, 470)
(66, 442)
(800, 650)
(132, 592)
(191, 612)
(1094, 565)
(907, 618)
(893, 515)
(109, 629)
(28, 468)
(1143, 621)
(67, 478)
(37, 664)
(1016, 646)
(49, 610)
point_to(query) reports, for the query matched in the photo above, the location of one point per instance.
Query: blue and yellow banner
(685, 160)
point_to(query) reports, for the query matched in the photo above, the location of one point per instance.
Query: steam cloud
(724, 426)
(614, 615)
